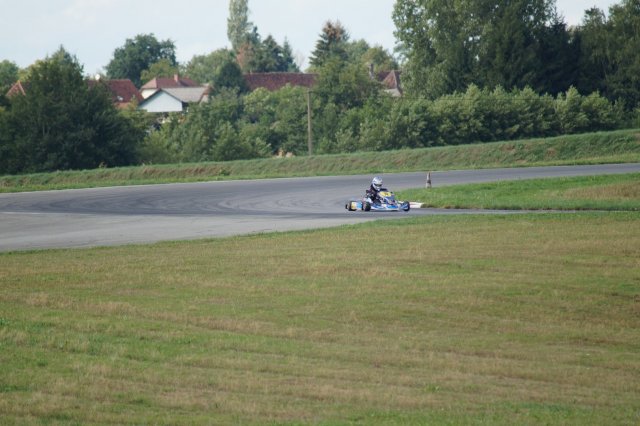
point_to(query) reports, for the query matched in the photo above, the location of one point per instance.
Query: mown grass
(609, 192)
(595, 148)
(519, 319)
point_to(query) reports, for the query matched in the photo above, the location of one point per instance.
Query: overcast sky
(93, 29)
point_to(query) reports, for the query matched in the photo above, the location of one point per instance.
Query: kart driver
(374, 189)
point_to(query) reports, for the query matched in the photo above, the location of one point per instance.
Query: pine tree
(330, 45)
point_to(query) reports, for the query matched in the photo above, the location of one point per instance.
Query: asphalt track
(145, 214)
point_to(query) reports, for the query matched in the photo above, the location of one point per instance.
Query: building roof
(184, 95)
(189, 95)
(277, 80)
(122, 91)
(18, 88)
(391, 81)
(169, 82)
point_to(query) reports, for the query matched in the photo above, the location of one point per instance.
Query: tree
(210, 132)
(64, 123)
(203, 68)
(266, 56)
(559, 53)
(275, 58)
(252, 53)
(345, 85)
(229, 76)
(380, 58)
(238, 26)
(450, 45)
(162, 68)
(609, 59)
(288, 59)
(139, 54)
(331, 44)
(592, 38)
(509, 58)
(278, 118)
(8, 156)
(624, 24)
(356, 49)
(8, 75)
(439, 41)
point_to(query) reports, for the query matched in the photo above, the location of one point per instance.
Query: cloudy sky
(93, 29)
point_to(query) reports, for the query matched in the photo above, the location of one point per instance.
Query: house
(18, 88)
(175, 99)
(391, 82)
(273, 81)
(159, 83)
(122, 92)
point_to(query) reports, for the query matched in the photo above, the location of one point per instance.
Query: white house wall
(161, 102)
(145, 93)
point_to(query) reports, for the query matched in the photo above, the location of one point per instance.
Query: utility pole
(309, 132)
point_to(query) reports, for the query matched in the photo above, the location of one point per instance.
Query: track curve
(139, 214)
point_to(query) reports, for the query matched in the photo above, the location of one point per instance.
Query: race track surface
(144, 214)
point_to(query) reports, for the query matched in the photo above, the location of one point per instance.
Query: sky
(92, 29)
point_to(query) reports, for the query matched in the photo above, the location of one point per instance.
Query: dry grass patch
(621, 191)
(527, 319)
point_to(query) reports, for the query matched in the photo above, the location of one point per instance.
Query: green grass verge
(610, 192)
(518, 319)
(607, 147)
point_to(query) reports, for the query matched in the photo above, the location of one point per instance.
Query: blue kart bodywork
(386, 202)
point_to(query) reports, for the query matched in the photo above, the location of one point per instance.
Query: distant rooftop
(277, 80)
(169, 82)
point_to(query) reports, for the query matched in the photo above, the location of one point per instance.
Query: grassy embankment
(613, 192)
(607, 147)
(518, 319)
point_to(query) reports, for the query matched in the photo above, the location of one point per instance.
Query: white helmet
(376, 183)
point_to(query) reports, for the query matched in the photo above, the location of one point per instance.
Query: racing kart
(386, 202)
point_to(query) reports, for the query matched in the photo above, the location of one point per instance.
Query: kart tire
(366, 206)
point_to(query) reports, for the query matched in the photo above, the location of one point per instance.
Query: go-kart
(386, 202)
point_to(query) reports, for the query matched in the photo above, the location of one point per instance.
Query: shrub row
(263, 123)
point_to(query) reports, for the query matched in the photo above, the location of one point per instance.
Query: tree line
(519, 43)
(472, 71)
(262, 122)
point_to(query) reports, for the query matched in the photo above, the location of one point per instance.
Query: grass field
(517, 319)
(594, 148)
(613, 192)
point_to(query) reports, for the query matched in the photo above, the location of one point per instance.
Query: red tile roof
(392, 81)
(122, 91)
(277, 80)
(169, 82)
(18, 88)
